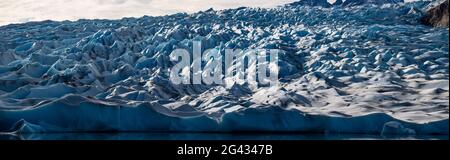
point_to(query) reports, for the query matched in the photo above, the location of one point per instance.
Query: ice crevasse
(365, 68)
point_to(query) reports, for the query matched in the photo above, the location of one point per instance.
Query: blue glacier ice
(368, 67)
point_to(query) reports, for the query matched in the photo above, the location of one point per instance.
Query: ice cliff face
(365, 69)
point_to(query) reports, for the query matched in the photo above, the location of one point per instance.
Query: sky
(19, 11)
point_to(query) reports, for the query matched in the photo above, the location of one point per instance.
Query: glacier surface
(371, 69)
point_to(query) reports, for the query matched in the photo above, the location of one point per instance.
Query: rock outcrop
(376, 2)
(437, 16)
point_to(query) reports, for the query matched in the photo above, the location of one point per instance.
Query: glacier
(363, 68)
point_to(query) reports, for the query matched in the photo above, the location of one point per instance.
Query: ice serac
(371, 69)
(338, 2)
(322, 3)
(437, 16)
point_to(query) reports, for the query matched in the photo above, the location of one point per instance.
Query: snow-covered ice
(364, 68)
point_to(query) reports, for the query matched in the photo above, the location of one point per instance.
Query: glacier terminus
(353, 67)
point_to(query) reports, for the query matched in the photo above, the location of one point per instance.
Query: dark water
(209, 136)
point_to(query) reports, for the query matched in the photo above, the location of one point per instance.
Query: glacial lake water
(210, 136)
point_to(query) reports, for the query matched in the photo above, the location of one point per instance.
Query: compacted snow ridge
(368, 68)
